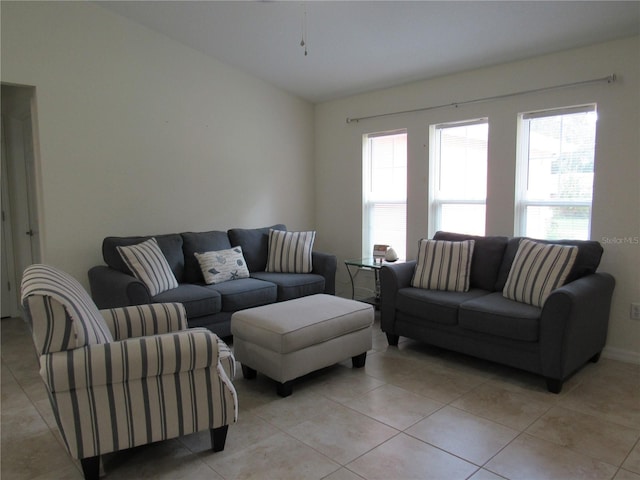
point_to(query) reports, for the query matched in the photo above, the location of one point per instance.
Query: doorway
(20, 226)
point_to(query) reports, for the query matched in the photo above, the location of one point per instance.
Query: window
(385, 192)
(555, 173)
(458, 177)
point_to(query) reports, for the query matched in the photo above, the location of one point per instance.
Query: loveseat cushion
(255, 245)
(587, 260)
(245, 293)
(496, 315)
(170, 244)
(434, 305)
(487, 257)
(293, 285)
(198, 301)
(200, 242)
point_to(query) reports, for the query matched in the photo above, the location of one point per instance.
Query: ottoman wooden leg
(285, 389)
(359, 360)
(248, 372)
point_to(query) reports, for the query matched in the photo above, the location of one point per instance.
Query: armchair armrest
(573, 324)
(111, 288)
(393, 278)
(326, 265)
(143, 320)
(129, 360)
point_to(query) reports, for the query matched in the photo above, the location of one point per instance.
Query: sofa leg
(248, 372)
(285, 389)
(595, 358)
(393, 339)
(91, 467)
(554, 385)
(218, 438)
(359, 360)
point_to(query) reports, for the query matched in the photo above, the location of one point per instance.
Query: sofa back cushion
(255, 245)
(587, 259)
(170, 244)
(488, 253)
(200, 242)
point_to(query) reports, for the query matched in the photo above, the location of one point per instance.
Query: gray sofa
(554, 341)
(211, 306)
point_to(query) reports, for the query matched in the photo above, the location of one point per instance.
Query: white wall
(141, 135)
(616, 203)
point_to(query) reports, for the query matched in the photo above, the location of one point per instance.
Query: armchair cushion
(47, 293)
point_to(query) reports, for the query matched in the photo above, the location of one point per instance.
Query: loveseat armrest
(393, 278)
(574, 323)
(111, 288)
(143, 320)
(326, 265)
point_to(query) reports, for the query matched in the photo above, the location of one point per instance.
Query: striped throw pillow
(537, 270)
(149, 265)
(290, 252)
(443, 265)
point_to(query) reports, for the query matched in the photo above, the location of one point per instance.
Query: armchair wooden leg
(218, 438)
(554, 385)
(393, 339)
(91, 467)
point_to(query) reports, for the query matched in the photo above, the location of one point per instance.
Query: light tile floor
(413, 412)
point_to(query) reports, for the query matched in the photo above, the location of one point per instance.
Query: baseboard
(627, 356)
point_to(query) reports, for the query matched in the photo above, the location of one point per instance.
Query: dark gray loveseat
(553, 341)
(210, 306)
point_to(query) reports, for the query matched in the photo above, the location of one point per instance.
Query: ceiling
(358, 46)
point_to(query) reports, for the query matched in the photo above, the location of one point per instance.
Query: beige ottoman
(289, 339)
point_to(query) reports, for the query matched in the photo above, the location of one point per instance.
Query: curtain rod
(609, 79)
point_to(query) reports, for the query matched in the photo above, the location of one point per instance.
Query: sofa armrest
(143, 320)
(393, 278)
(574, 323)
(326, 265)
(111, 288)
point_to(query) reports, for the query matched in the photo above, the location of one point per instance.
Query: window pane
(463, 218)
(561, 157)
(390, 222)
(463, 162)
(558, 222)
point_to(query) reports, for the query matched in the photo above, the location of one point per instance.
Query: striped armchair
(127, 376)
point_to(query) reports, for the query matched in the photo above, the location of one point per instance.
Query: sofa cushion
(222, 265)
(149, 265)
(434, 305)
(255, 245)
(537, 270)
(200, 242)
(198, 300)
(290, 252)
(293, 285)
(170, 244)
(495, 315)
(245, 293)
(487, 257)
(587, 260)
(443, 265)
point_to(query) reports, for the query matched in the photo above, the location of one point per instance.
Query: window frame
(366, 247)
(522, 202)
(436, 201)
